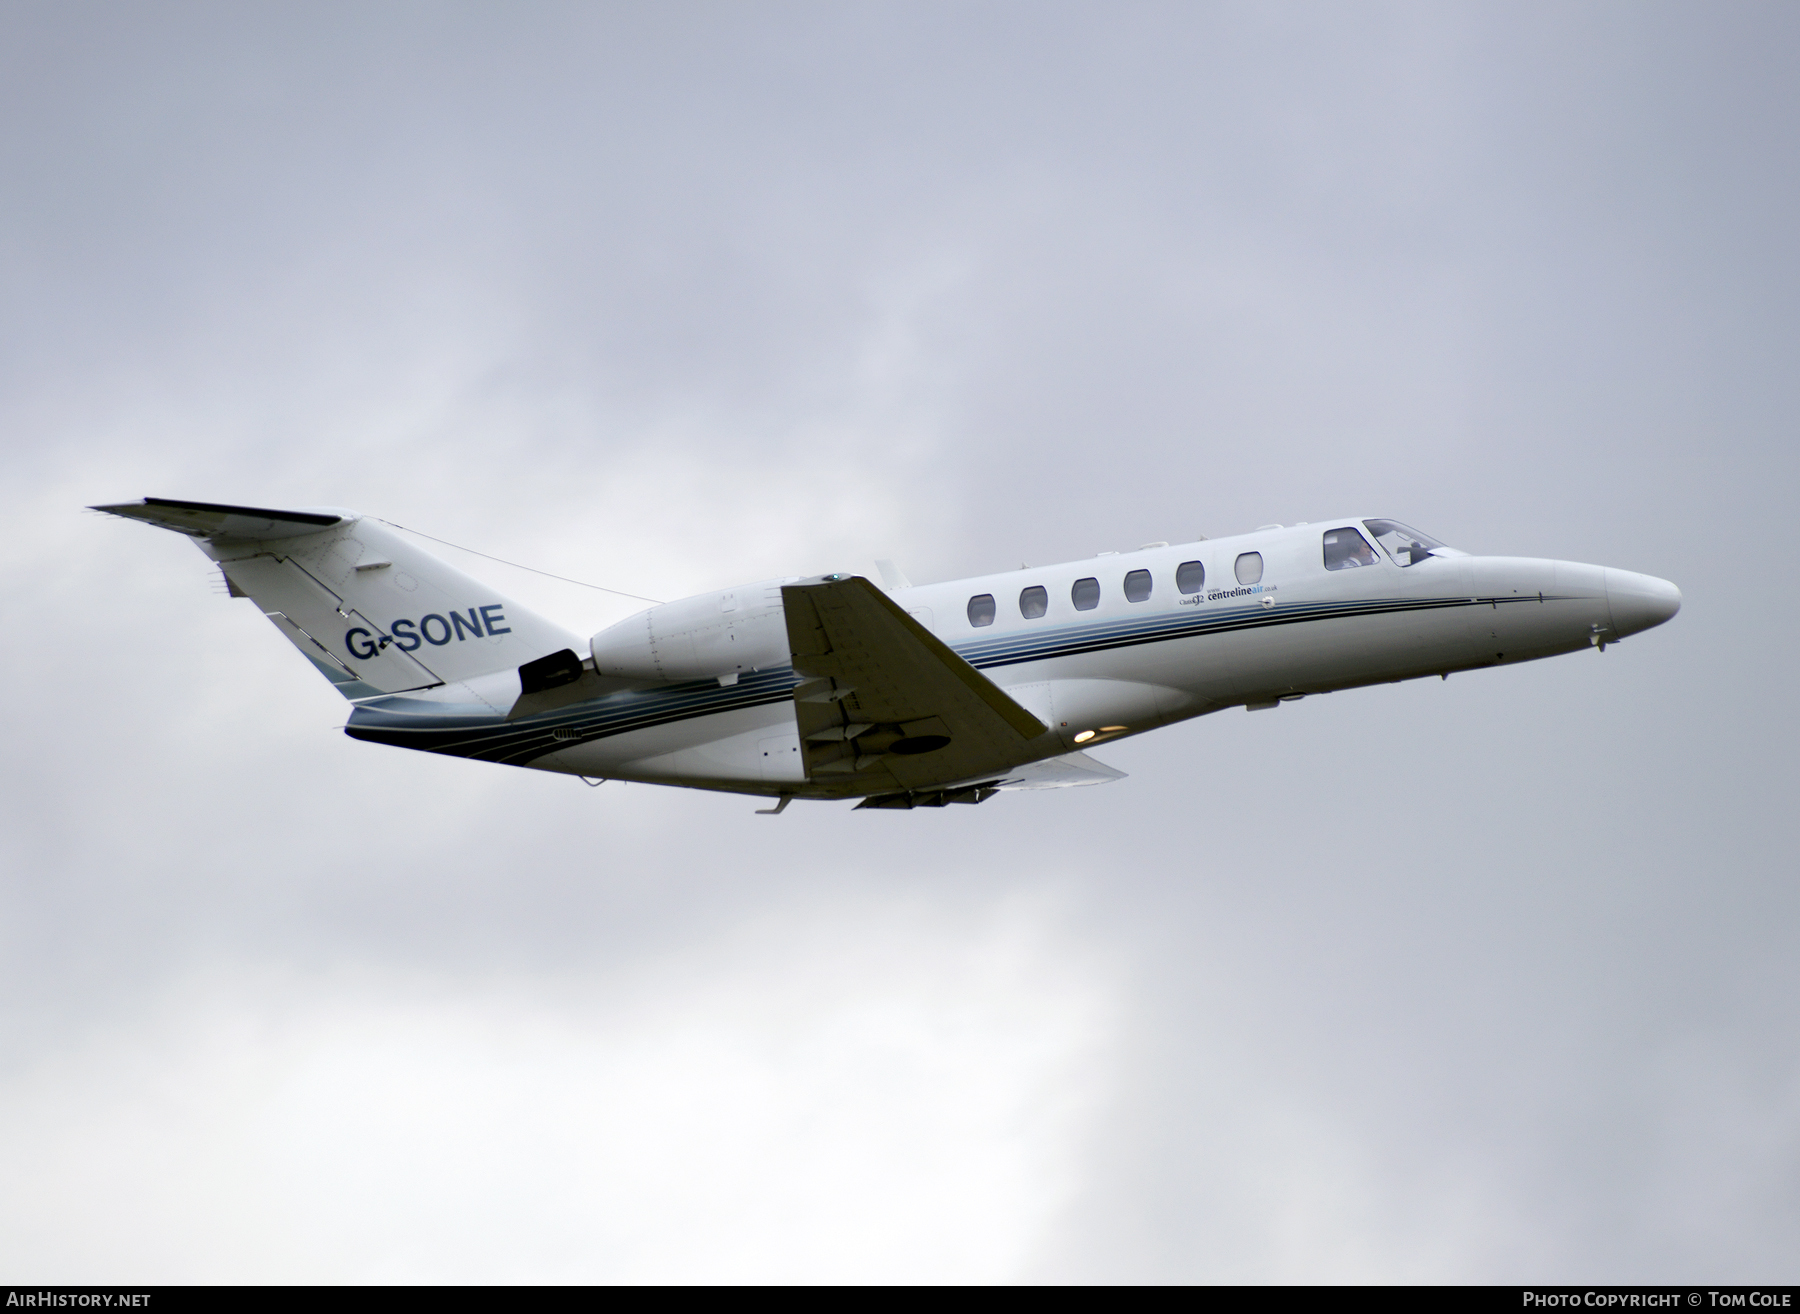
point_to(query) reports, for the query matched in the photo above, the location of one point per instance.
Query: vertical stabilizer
(374, 611)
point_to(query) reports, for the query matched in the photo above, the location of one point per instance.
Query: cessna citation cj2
(829, 687)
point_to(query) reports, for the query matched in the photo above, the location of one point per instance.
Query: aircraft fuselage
(1097, 650)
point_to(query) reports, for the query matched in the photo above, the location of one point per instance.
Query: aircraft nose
(1639, 602)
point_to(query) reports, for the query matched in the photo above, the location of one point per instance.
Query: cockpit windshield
(1408, 547)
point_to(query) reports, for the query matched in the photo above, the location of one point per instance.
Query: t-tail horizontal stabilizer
(212, 520)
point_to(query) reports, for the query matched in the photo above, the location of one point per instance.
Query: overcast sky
(670, 297)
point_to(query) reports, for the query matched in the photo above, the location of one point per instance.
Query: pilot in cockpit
(1345, 548)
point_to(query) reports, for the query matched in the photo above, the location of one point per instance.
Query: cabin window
(1190, 577)
(1137, 586)
(981, 609)
(1345, 549)
(1249, 568)
(1408, 547)
(1034, 602)
(1086, 594)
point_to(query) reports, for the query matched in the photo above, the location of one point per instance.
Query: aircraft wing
(1063, 772)
(884, 706)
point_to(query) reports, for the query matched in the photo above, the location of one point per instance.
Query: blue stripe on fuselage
(438, 728)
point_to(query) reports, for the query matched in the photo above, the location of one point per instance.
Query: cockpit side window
(1345, 549)
(1408, 547)
(981, 609)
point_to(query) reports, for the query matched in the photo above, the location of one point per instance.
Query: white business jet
(829, 687)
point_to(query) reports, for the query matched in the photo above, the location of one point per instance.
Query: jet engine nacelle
(709, 636)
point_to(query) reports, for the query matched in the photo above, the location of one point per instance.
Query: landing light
(1084, 736)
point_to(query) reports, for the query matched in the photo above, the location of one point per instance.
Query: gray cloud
(667, 299)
